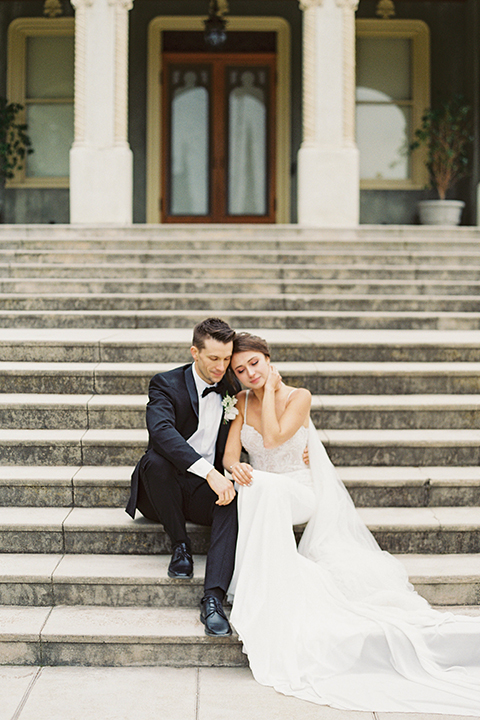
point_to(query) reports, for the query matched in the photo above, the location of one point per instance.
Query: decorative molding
(52, 8)
(385, 9)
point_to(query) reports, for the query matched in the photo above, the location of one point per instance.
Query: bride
(335, 621)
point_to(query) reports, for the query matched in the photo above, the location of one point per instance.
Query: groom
(180, 477)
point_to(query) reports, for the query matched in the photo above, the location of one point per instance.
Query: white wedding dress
(336, 621)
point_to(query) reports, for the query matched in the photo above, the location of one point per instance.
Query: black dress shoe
(181, 564)
(213, 617)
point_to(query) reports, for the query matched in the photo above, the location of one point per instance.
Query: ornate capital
(122, 4)
(349, 4)
(307, 4)
(81, 4)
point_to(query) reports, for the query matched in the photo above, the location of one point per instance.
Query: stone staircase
(381, 324)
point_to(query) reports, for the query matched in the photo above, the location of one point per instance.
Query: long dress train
(336, 621)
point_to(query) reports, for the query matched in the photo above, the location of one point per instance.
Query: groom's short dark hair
(214, 328)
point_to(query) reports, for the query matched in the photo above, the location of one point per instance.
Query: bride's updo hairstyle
(243, 342)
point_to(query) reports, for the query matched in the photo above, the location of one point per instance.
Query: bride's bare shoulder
(299, 395)
(241, 399)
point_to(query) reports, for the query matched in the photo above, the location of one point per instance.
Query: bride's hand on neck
(274, 379)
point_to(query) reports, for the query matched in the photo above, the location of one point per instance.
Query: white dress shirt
(204, 439)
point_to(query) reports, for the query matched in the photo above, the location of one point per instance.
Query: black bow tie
(212, 388)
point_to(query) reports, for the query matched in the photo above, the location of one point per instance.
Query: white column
(101, 163)
(328, 166)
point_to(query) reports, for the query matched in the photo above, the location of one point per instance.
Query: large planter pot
(440, 212)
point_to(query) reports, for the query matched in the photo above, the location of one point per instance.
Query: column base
(101, 185)
(328, 186)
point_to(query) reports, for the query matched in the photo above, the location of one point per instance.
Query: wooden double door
(218, 137)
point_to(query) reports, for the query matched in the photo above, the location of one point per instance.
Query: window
(40, 77)
(393, 81)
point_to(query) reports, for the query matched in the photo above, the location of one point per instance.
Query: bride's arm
(241, 472)
(276, 431)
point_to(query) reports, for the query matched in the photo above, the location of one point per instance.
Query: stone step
(111, 636)
(63, 486)
(425, 447)
(227, 254)
(274, 271)
(193, 235)
(171, 345)
(49, 289)
(328, 378)
(46, 580)
(109, 486)
(104, 486)
(342, 412)
(279, 319)
(239, 301)
(111, 531)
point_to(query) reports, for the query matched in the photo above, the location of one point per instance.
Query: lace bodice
(283, 459)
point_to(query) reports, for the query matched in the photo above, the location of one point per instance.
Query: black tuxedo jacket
(172, 417)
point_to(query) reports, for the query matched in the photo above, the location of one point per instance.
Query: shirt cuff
(201, 468)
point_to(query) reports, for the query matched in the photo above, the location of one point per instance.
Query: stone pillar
(101, 163)
(328, 165)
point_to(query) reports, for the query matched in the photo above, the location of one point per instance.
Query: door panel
(190, 139)
(219, 144)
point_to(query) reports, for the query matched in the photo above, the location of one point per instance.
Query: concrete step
(23, 289)
(246, 233)
(228, 254)
(344, 412)
(99, 411)
(390, 486)
(111, 531)
(109, 486)
(72, 411)
(97, 486)
(328, 378)
(45, 580)
(273, 271)
(63, 486)
(278, 319)
(108, 303)
(171, 345)
(425, 447)
(111, 636)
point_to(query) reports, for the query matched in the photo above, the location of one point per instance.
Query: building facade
(304, 115)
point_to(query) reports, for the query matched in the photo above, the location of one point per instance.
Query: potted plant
(447, 133)
(14, 144)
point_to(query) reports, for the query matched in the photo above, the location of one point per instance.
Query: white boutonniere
(230, 412)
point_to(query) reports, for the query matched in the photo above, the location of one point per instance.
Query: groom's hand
(222, 486)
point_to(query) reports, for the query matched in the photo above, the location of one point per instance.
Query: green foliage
(447, 134)
(14, 141)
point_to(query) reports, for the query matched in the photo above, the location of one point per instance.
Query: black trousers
(171, 498)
